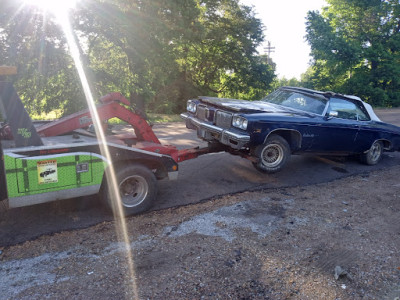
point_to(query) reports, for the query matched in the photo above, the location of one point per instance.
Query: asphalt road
(199, 179)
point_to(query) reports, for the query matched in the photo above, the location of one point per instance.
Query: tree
(159, 52)
(222, 57)
(287, 82)
(174, 50)
(46, 77)
(355, 45)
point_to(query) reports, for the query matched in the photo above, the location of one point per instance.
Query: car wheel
(137, 187)
(272, 155)
(374, 154)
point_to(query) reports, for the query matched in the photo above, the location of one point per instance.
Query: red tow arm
(110, 108)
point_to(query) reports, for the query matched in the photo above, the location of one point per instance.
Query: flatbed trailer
(62, 159)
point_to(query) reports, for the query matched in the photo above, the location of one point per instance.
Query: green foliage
(355, 45)
(164, 118)
(158, 53)
(286, 82)
(46, 77)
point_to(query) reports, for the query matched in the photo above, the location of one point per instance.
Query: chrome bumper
(209, 132)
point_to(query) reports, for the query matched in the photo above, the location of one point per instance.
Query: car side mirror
(332, 114)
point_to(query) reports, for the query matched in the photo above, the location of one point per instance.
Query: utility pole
(268, 50)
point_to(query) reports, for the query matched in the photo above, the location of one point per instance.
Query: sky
(285, 28)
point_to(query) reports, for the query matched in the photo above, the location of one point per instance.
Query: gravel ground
(338, 240)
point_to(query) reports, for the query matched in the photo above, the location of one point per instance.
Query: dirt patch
(338, 240)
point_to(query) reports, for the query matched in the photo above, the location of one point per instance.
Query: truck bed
(54, 141)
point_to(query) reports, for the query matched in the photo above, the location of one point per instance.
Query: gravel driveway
(337, 240)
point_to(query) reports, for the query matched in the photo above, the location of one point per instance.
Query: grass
(163, 118)
(53, 115)
(152, 118)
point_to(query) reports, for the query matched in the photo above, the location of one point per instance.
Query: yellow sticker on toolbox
(47, 171)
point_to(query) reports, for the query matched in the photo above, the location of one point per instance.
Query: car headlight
(191, 106)
(240, 122)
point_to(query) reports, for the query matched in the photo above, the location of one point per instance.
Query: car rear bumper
(209, 132)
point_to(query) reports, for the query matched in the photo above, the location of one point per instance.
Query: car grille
(223, 119)
(202, 112)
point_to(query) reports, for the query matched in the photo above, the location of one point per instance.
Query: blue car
(289, 121)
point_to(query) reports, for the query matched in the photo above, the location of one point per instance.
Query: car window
(304, 102)
(347, 110)
(295, 101)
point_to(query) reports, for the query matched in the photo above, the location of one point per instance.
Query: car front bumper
(210, 132)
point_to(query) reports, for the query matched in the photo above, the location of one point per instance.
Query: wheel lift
(115, 105)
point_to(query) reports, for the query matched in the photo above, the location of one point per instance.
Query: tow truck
(62, 159)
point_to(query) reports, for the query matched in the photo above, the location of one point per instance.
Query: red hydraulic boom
(111, 107)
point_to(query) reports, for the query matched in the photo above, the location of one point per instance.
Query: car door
(337, 131)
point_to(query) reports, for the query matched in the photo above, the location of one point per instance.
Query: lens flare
(121, 227)
(56, 7)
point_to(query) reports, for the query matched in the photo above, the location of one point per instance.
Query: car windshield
(292, 99)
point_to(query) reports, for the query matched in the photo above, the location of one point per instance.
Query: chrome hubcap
(375, 151)
(272, 155)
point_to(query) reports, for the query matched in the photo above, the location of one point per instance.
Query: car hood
(245, 106)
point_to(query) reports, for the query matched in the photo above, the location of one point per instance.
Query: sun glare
(52, 6)
(61, 10)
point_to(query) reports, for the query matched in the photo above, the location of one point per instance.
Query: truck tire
(137, 187)
(272, 155)
(374, 154)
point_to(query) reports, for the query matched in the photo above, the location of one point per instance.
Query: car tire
(137, 187)
(373, 155)
(272, 155)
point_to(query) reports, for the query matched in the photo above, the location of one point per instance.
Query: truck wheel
(374, 154)
(272, 155)
(137, 187)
